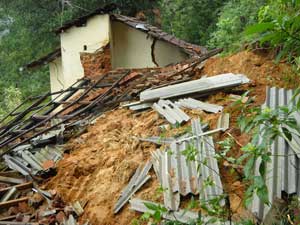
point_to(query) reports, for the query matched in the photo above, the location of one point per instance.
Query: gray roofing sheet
(203, 85)
(283, 170)
(178, 174)
(191, 103)
(170, 111)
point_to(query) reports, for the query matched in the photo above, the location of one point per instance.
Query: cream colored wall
(56, 76)
(166, 53)
(94, 35)
(131, 48)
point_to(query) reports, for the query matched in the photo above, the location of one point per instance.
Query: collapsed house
(126, 64)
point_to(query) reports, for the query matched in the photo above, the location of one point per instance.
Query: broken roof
(159, 34)
(154, 32)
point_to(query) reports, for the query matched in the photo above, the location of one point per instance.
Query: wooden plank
(16, 223)
(19, 187)
(8, 218)
(13, 202)
(11, 180)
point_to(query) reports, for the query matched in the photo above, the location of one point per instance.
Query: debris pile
(23, 202)
(101, 137)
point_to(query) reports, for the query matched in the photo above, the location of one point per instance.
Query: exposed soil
(102, 160)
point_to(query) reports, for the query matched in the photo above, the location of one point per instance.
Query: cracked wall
(132, 48)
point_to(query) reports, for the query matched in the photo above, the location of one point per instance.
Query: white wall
(131, 48)
(56, 76)
(94, 35)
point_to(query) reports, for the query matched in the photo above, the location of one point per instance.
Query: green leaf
(287, 133)
(249, 167)
(262, 168)
(157, 215)
(259, 28)
(259, 182)
(151, 206)
(262, 193)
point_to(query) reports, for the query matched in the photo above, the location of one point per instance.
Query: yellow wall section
(131, 48)
(94, 35)
(166, 53)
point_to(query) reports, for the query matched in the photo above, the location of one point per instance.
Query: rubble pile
(110, 141)
(24, 202)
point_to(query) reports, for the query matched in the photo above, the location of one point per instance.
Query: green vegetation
(191, 20)
(234, 17)
(279, 27)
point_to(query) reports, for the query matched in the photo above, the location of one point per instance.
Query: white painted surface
(94, 35)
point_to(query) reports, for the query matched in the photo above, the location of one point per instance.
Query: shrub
(235, 16)
(191, 20)
(279, 26)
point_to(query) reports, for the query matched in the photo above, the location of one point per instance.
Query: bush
(191, 20)
(279, 26)
(235, 16)
(12, 98)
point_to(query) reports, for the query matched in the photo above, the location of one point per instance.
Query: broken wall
(56, 76)
(97, 63)
(132, 48)
(75, 40)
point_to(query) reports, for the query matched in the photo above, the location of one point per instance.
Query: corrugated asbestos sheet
(171, 112)
(208, 164)
(136, 182)
(183, 216)
(223, 121)
(178, 175)
(158, 140)
(31, 160)
(283, 171)
(204, 85)
(191, 103)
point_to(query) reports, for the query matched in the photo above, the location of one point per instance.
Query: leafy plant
(191, 20)
(265, 125)
(234, 17)
(155, 212)
(279, 26)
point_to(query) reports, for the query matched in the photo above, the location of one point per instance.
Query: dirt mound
(103, 159)
(102, 162)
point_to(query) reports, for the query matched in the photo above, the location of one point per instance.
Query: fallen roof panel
(191, 103)
(204, 85)
(283, 170)
(139, 178)
(171, 112)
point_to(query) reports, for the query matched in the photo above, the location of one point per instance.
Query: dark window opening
(84, 47)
